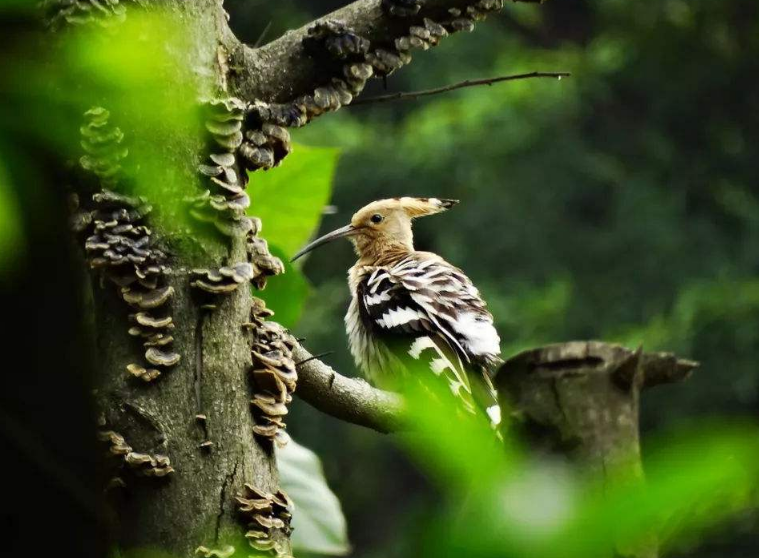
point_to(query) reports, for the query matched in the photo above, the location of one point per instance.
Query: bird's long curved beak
(342, 232)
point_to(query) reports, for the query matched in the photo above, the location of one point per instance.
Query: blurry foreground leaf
(11, 235)
(696, 480)
(286, 294)
(461, 450)
(289, 199)
(318, 521)
(126, 71)
(131, 67)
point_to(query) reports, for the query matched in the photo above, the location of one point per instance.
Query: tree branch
(282, 70)
(354, 400)
(349, 399)
(403, 95)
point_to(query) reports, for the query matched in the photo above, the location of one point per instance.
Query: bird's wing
(435, 310)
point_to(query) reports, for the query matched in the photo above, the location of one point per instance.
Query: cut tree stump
(581, 400)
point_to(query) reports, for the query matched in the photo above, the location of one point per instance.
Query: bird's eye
(376, 218)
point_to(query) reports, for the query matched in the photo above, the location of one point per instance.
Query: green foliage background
(620, 204)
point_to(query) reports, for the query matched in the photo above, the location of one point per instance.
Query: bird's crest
(411, 207)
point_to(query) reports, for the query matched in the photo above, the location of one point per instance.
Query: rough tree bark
(184, 438)
(195, 505)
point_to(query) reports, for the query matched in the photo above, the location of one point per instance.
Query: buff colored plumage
(411, 309)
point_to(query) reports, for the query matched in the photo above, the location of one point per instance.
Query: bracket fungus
(101, 142)
(157, 357)
(225, 202)
(224, 280)
(273, 375)
(258, 314)
(402, 8)
(237, 144)
(119, 244)
(142, 464)
(264, 146)
(338, 39)
(264, 514)
(78, 12)
(145, 374)
(264, 264)
(224, 552)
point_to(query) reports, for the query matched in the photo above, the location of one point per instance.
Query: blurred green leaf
(695, 480)
(285, 294)
(290, 199)
(45, 92)
(11, 235)
(318, 521)
(460, 449)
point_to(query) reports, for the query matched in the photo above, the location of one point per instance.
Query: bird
(411, 310)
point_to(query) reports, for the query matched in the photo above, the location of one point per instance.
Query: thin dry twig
(319, 356)
(405, 95)
(260, 39)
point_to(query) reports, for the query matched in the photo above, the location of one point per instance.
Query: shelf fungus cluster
(235, 147)
(123, 457)
(78, 12)
(402, 8)
(102, 145)
(264, 145)
(224, 280)
(223, 205)
(273, 375)
(264, 514)
(226, 551)
(354, 59)
(118, 245)
(264, 264)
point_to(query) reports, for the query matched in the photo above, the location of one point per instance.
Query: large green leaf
(285, 294)
(318, 521)
(290, 199)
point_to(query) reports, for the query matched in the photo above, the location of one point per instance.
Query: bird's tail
(486, 396)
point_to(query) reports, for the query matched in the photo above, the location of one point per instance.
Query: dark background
(618, 204)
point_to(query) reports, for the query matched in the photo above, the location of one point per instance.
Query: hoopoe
(410, 308)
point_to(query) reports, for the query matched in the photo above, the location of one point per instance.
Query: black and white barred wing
(435, 310)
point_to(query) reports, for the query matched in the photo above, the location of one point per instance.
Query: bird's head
(383, 225)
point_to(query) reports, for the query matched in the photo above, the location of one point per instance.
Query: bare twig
(262, 35)
(349, 399)
(315, 357)
(404, 95)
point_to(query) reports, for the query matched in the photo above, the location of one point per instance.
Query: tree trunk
(197, 413)
(581, 400)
